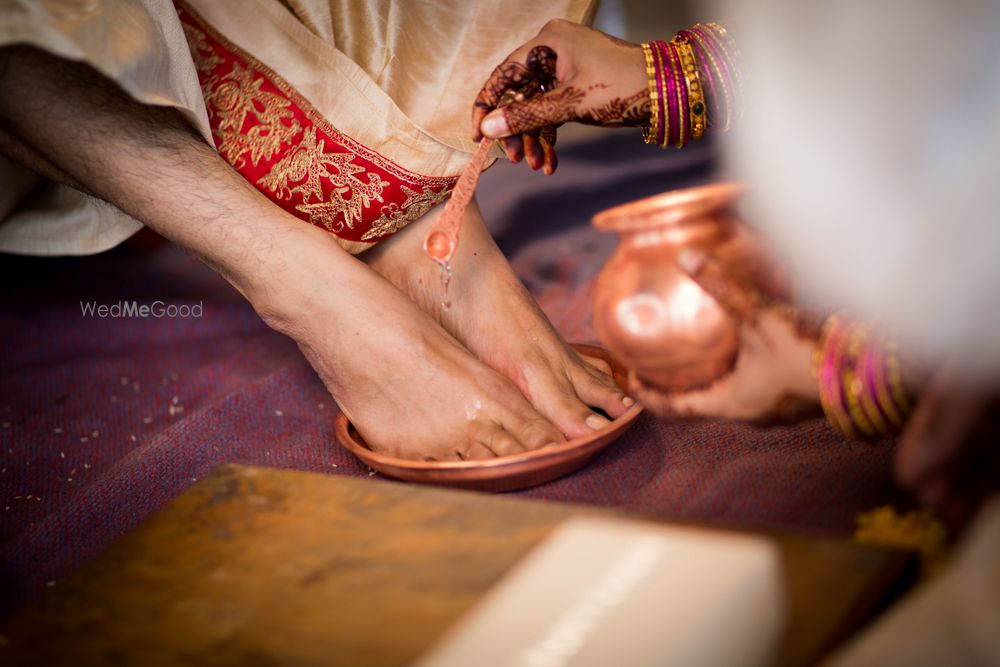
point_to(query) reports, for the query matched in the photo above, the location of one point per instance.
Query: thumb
(741, 300)
(554, 107)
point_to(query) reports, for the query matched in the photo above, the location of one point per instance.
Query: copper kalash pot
(658, 321)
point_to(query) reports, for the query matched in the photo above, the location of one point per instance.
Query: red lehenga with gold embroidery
(279, 141)
(352, 115)
(275, 138)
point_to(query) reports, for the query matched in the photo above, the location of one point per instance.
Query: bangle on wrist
(694, 82)
(860, 381)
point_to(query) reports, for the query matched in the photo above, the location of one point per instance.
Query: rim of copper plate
(350, 439)
(672, 208)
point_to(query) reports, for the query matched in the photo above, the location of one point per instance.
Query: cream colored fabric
(431, 58)
(137, 43)
(399, 77)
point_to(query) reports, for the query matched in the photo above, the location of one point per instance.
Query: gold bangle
(831, 397)
(869, 402)
(728, 48)
(695, 93)
(853, 387)
(718, 76)
(649, 131)
(895, 373)
(882, 393)
(732, 51)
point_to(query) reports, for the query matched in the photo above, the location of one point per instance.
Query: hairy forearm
(148, 162)
(13, 148)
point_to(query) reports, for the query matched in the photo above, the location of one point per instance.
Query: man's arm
(13, 148)
(359, 332)
(70, 123)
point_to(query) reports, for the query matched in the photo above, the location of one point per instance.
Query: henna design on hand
(553, 108)
(541, 61)
(632, 111)
(520, 81)
(548, 133)
(565, 104)
(507, 78)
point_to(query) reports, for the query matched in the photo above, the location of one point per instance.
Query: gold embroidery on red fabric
(395, 217)
(300, 172)
(204, 55)
(238, 96)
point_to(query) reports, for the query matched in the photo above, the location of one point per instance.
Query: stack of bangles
(694, 85)
(860, 381)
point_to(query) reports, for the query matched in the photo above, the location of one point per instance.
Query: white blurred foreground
(871, 141)
(604, 592)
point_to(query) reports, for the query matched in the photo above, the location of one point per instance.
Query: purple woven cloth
(106, 420)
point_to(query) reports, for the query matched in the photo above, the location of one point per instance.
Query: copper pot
(659, 322)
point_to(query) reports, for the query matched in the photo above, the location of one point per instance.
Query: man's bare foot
(407, 385)
(492, 313)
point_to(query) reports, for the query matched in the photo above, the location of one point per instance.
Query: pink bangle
(855, 369)
(698, 67)
(831, 393)
(716, 91)
(664, 126)
(683, 104)
(675, 128)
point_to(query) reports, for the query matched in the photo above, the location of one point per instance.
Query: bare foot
(406, 384)
(492, 313)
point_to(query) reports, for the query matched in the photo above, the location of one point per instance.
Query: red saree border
(277, 140)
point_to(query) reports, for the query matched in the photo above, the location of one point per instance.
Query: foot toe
(600, 391)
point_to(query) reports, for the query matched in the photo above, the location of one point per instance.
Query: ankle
(290, 289)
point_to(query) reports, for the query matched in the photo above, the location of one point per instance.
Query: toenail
(628, 401)
(596, 422)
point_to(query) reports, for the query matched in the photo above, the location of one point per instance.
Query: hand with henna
(771, 379)
(568, 72)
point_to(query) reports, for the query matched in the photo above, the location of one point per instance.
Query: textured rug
(106, 420)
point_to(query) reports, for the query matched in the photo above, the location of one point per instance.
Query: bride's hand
(771, 379)
(568, 72)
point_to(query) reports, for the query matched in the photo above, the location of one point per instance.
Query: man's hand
(567, 73)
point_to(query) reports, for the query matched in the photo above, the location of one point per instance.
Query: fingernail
(495, 125)
(596, 422)
(628, 401)
(690, 260)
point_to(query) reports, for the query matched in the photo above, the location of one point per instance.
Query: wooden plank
(276, 567)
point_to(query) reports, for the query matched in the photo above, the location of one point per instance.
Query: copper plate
(504, 473)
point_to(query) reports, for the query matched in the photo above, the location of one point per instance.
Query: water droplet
(445, 283)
